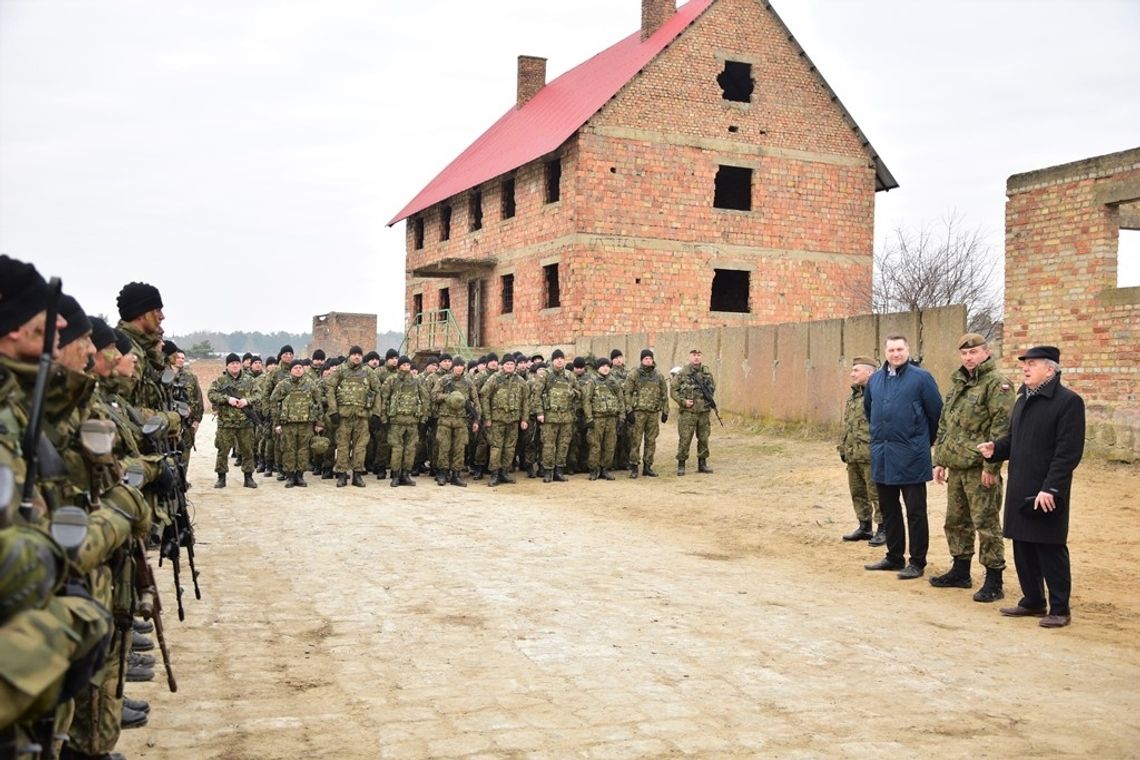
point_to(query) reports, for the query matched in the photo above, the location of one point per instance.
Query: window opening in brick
(733, 188)
(1128, 259)
(445, 223)
(736, 81)
(730, 290)
(552, 298)
(444, 300)
(418, 232)
(508, 197)
(418, 308)
(733, 128)
(507, 285)
(553, 180)
(476, 210)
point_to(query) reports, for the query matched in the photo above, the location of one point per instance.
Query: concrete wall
(796, 372)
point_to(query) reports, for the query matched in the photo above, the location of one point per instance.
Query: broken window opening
(476, 210)
(418, 309)
(445, 223)
(553, 180)
(552, 299)
(508, 197)
(733, 188)
(418, 232)
(730, 291)
(444, 302)
(507, 285)
(1128, 259)
(736, 82)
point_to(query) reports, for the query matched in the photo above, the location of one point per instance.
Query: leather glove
(664, 417)
(335, 418)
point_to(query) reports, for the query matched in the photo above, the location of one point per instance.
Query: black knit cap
(557, 354)
(101, 334)
(367, 357)
(445, 356)
(137, 298)
(319, 355)
(602, 362)
(508, 359)
(170, 348)
(455, 360)
(232, 357)
(246, 355)
(286, 349)
(23, 293)
(646, 352)
(472, 364)
(356, 350)
(492, 357)
(391, 353)
(271, 360)
(615, 354)
(256, 358)
(537, 358)
(122, 342)
(579, 362)
(402, 361)
(78, 324)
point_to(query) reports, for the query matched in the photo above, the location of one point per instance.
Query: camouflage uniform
(603, 403)
(234, 428)
(647, 394)
(578, 452)
(621, 452)
(481, 451)
(404, 408)
(506, 403)
(532, 447)
(379, 450)
(297, 408)
(560, 394)
(695, 418)
(459, 408)
(264, 443)
(977, 408)
(352, 394)
(186, 388)
(855, 449)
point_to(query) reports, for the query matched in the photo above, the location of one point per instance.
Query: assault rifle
(149, 605)
(250, 413)
(703, 387)
(31, 442)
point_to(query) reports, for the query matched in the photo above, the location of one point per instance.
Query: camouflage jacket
(404, 399)
(448, 404)
(976, 409)
(223, 387)
(603, 397)
(855, 442)
(148, 390)
(505, 397)
(297, 399)
(646, 390)
(560, 396)
(686, 387)
(353, 391)
(186, 387)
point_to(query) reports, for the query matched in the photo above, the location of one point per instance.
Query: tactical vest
(558, 395)
(297, 405)
(353, 389)
(506, 397)
(405, 400)
(646, 395)
(605, 399)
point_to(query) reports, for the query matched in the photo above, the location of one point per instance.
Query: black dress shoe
(880, 537)
(910, 572)
(884, 564)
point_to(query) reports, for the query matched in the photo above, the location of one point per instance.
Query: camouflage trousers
(689, 423)
(579, 452)
(351, 444)
(969, 509)
(864, 495)
(531, 443)
(502, 437)
(621, 452)
(403, 437)
(95, 726)
(555, 443)
(294, 443)
(451, 435)
(646, 428)
(239, 439)
(481, 449)
(379, 452)
(602, 439)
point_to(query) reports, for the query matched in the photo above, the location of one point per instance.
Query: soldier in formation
(231, 394)
(353, 392)
(506, 399)
(296, 407)
(855, 451)
(648, 397)
(693, 390)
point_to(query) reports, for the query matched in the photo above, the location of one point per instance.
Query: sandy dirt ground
(703, 616)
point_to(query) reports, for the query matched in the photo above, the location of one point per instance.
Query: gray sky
(244, 155)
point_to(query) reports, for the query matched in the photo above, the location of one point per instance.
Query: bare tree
(938, 266)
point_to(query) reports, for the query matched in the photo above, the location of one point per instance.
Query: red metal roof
(555, 113)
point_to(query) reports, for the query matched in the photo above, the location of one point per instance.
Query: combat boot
(132, 718)
(991, 589)
(357, 480)
(281, 475)
(861, 533)
(703, 466)
(477, 472)
(290, 481)
(532, 471)
(505, 477)
(595, 473)
(327, 474)
(299, 479)
(880, 537)
(559, 476)
(633, 471)
(249, 482)
(457, 479)
(138, 674)
(260, 462)
(382, 473)
(957, 577)
(648, 471)
(138, 705)
(406, 478)
(548, 476)
(341, 479)
(495, 479)
(268, 470)
(606, 474)
(680, 469)
(221, 481)
(441, 478)
(395, 478)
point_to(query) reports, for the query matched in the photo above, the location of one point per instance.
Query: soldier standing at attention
(647, 394)
(379, 452)
(855, 450)
(977, 408)
(404, 407)
(459, 413)
(229, 394)
(297, 411)
(603, 403)
(505, 404)
(185, 387)
(693, 389)
(619, 372)
(488, 367)
(351, 396)
(559, 396)
(264, 434)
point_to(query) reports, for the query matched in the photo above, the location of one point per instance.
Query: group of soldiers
(348, 416)
(96, 422)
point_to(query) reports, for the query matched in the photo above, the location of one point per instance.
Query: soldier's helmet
(455, 400)
(319, 445)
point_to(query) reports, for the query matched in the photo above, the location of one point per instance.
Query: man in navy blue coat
(903, 405)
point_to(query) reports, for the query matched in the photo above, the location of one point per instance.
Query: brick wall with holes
(635, 233)
(336, 332)
(1062, 228)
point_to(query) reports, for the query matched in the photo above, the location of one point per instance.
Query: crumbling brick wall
(336, 332)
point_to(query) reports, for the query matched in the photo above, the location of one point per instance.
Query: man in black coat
(1044, 445)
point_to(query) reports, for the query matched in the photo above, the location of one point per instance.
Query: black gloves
(664, 417)
(334, 418)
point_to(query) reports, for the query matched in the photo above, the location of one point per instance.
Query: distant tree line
(204, 343)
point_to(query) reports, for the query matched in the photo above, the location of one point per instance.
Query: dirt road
(704, 616)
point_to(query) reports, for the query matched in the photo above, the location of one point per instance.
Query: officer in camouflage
(977, 408)
(230, 396)
(459, 411)
(603, 404)
(855, 450)
(559, 397)
(185, 388)
(404, 407)
(351, 399)
(297, 411)
(692, 389)
(647, 395)
(620, 372)
(505, 400)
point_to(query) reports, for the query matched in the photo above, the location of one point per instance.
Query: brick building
(1062, 228)
(699, 173)
(336, 332)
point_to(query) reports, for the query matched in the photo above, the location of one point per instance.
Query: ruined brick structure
(699, 173)
(336, 332)
(1062, 230)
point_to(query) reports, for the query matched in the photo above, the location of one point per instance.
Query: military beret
(367, 357)
(101, 334)
(1052, 353)
(356, 350)
(122, 342)
(23, 293)
(615, 354)
(231, 357)
(170, 348)
(137, 298)
(246, 355)
(579, 362)
(391, 353)
(601, 361)
(320, 354)
(402, 361)
(864, 360)
(646, 352)
(971, 340)
(78, 324)
(557, 354)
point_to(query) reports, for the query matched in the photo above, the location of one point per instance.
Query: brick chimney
(532, 78)
(654, 13)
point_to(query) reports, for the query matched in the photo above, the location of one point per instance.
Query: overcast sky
(245, 155)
